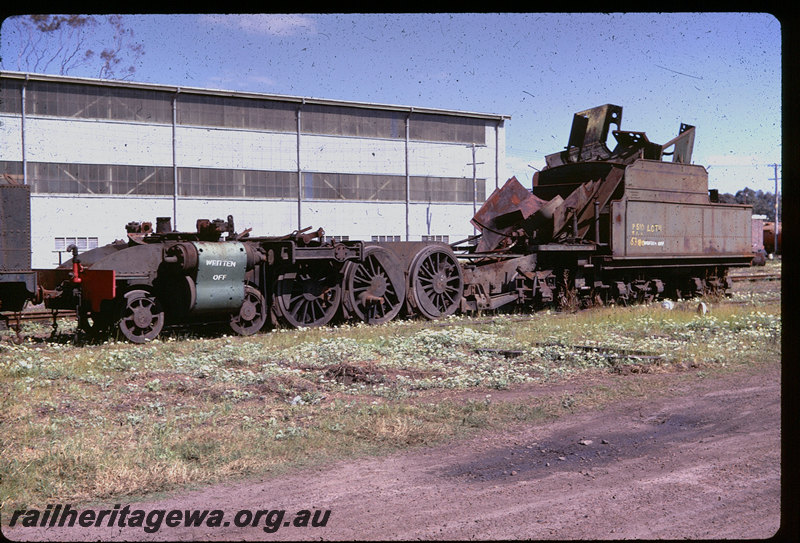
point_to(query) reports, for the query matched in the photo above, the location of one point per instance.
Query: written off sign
(220, 276)
(222, 263)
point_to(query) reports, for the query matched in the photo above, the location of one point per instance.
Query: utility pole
(777, 218)
(474, 185)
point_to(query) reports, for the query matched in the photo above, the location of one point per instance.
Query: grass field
(100, 422)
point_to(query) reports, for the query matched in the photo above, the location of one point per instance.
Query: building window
(62, 99)
(445, 239)
(447, 128)
(98, 102)
(358, 187)
(125, 180)
(236, 183)
(11, 170)
(10, 96)
(232, 112)
(82, 243)
(49, 177)
(365, 188)
(446, 189)
(336, 238)
(385, 238)
(351, 121)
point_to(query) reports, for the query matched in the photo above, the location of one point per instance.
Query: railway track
(9, 320)
(768, 276)
(15, 319)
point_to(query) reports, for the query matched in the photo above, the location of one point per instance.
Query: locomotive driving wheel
(375, 288)
(252, 315)
(308, 296)
(142, 317)
(435, 282)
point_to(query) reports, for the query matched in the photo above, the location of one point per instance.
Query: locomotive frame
(599, 225)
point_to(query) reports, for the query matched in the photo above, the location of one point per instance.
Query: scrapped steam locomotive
(599, 225)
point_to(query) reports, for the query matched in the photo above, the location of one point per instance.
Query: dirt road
(700, 461)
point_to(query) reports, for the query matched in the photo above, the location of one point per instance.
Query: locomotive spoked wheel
(309, 296)
(142, 317)
(374, 290)
(252, 315)
(435, 282)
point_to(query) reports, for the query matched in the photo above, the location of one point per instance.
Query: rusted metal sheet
(652, 229)
(682, 145)
(15, 228)
(17, 280)
(666, 182)
(587, 137)
(502, 213)
(757, 228)
(770, 244)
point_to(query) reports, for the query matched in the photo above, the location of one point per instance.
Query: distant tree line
(763, 202)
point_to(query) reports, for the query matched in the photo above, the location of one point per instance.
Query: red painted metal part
(98, 285)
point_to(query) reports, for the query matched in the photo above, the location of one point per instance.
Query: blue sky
(718, 71)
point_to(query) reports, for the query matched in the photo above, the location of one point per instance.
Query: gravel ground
(701, 460)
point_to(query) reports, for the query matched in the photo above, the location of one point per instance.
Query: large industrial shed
(98, 154)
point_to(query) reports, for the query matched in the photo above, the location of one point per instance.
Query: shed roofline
(246, 94)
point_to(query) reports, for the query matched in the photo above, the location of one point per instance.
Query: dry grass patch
(114, 420)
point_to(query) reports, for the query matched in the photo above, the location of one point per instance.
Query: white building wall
(11, 134)
(105, 218)
(455, 159)
(362, 221)
(502, 174)
(81, 216)
(97, 142)
(358, 220)
(88, 141)
(265, 217)
(440, 219)
(235, 149)
(352, 155)
(446, 160)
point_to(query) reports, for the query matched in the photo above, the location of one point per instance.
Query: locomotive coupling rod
(471, 238)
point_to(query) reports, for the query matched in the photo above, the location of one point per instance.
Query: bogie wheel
(308, 296)
(142, 317)
(435, 282)
(374, 289)
(252, 315)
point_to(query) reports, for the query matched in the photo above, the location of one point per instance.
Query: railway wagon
(17, 279)
(619, 224)
(772, 244)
